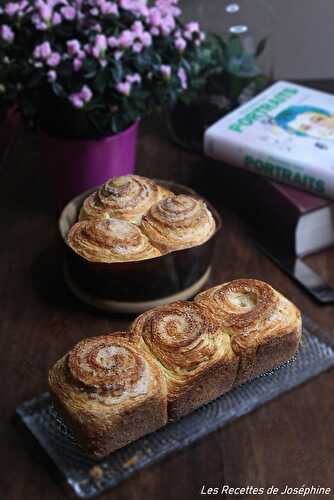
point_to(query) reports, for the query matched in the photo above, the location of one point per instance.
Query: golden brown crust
(109, 392)
(127, 198)
(116, 388)
(195, 356)
(110, 240)
(257, 318)
(178, 222)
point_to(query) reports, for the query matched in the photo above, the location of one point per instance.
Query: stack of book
(286, 136)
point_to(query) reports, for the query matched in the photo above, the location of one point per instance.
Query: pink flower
(99, 46)
(180, 44)
(41, 26)
(86, 94)
(45, 50)
(76, 101)
(134, 78)
(183, 78)
(137, 28)
(166, 71)
(73, 47)
(6, 33)
(45, 11)
(68, 12)
(118, 55)
(126, 4)
(167, 25)
(137, 47)
(79, 99)
(155, 31)
(146, 39)
(126, 39)
(155, 17)
(107, 7)
(124, 88)
(12, 8)
(56, 19)
(192, 27)
(52, 76)
(77, 63)
(136, 6)
(54, 59)
(101, 42)
(113, 42)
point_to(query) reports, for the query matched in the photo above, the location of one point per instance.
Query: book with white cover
(286, 133)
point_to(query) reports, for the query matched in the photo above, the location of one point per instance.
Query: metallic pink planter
(78, 165)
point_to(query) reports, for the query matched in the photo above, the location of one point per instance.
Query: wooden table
(288, 441)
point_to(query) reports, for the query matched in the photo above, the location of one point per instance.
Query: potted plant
(8, 95)
(241, 37)
(87, 71)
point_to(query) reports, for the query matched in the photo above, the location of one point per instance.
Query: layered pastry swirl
(115, 388)
(178, 222)
(110, 392)
(195, 356)
(110, 240)
(152, 221)
(264, 327)
(128, 198)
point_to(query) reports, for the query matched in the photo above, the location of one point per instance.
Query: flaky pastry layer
(256, 317)
(116, 388)
(110, 392)
(127, 197)
(110, 240)
(178, 222)
(185, 339)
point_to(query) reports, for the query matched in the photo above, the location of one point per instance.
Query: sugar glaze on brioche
(116, 388)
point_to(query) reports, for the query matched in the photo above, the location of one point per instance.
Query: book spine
(299, 174)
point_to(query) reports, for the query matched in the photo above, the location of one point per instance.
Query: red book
(296, 220)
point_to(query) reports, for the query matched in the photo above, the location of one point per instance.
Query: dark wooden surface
(288, 441)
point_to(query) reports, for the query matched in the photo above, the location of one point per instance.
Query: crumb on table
(133, 460)
(96, 472)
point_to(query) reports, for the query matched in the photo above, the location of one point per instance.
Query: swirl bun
(110, 240)
(185, 339)
(178, 222)
(110, 371)
(110, 391)
(240, 304)
(127, 198)
(265, 328)
(116, 388)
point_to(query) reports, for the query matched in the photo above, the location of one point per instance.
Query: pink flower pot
(78, 165)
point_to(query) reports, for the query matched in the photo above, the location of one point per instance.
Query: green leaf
(100, 83)
(117, 71)
(261, 46)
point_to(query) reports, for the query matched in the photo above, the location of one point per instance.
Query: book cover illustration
(286, 133)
